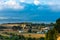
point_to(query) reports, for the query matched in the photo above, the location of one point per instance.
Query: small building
(21, 31)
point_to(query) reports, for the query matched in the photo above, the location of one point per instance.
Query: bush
(42, 38)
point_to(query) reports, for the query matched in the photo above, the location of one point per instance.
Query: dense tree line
(16, 28)
(19, 37)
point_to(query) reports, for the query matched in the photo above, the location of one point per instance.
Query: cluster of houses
(27, 27)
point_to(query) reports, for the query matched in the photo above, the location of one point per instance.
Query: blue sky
(29, 10)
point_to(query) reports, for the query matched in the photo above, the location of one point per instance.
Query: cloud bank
(10, 4)
(53, 5)
(16, 4)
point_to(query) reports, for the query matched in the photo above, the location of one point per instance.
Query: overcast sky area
(29, 10)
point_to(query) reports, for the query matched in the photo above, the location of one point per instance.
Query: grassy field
(27, 35)
(34, 35)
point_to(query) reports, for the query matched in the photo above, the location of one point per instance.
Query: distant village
(26, 27)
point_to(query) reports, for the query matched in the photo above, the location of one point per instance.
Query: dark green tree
(16, 28)
(34, 38)
(42, 38)
(43, 24)
(51, 35)
(30, 29)
(30, 38)
(57, 26)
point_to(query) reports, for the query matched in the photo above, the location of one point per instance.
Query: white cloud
(1, 5)
(3, 18)
(14, 4)
(53, 5)
(36, 2)
(22, 0)
(10, 4)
